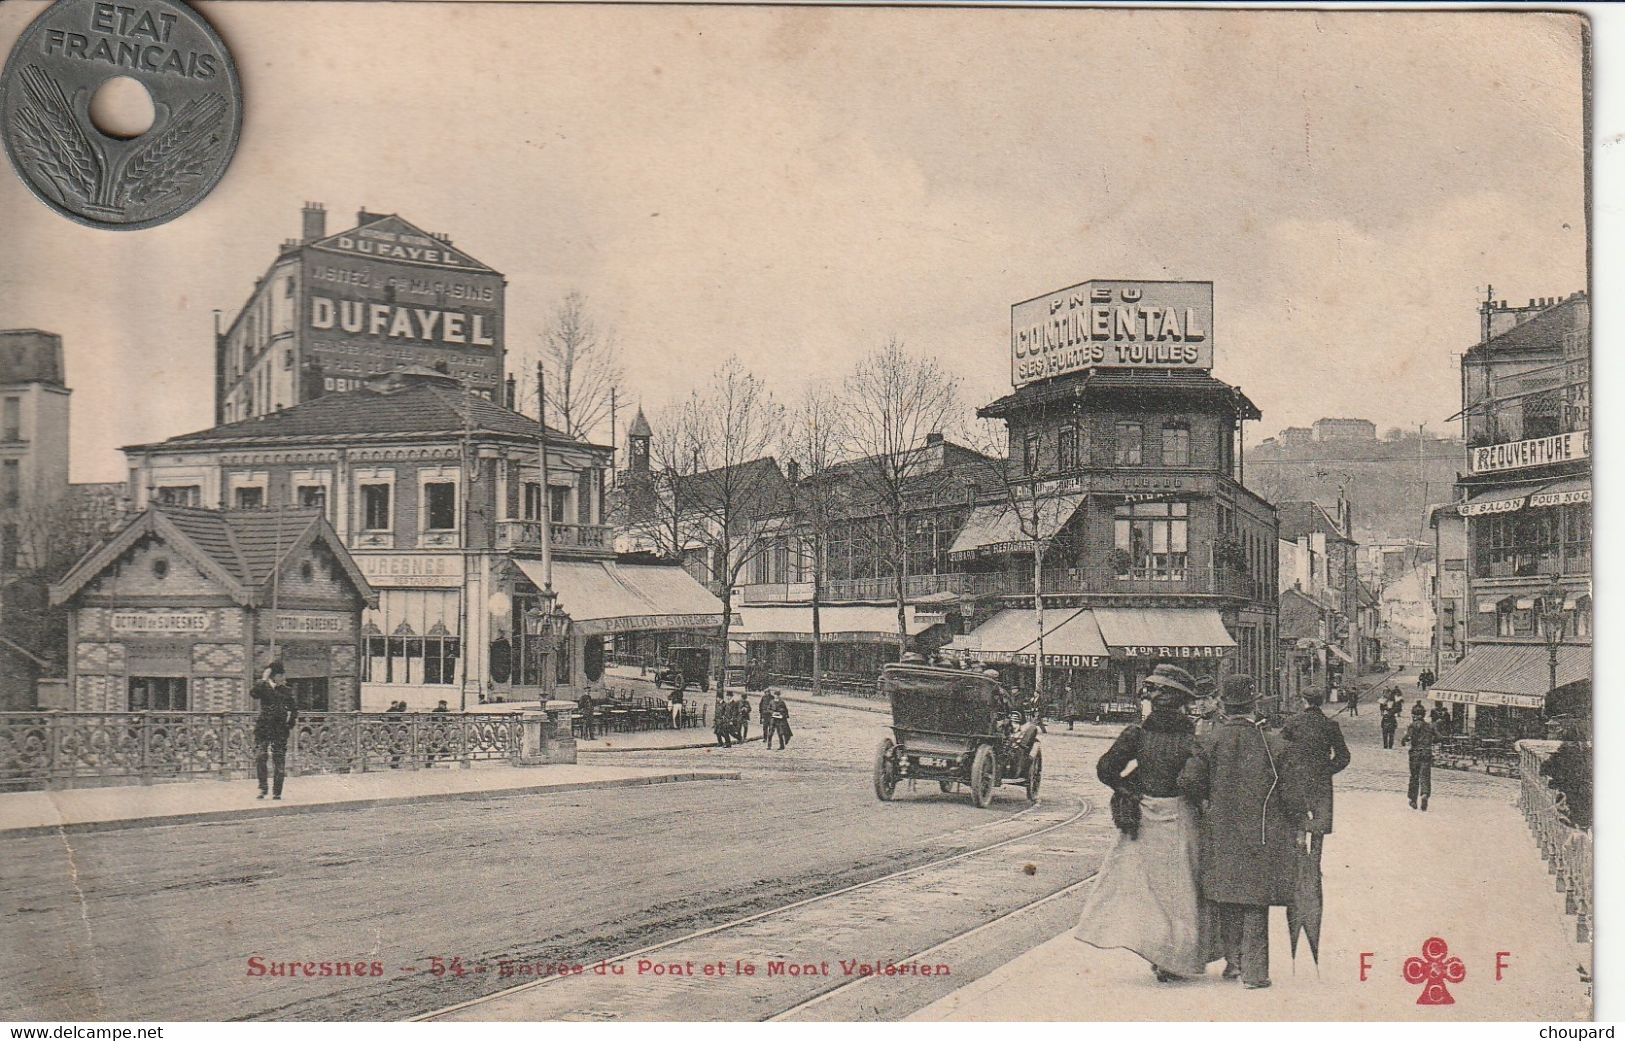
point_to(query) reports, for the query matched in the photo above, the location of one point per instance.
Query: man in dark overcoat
(278, 711)
(1249, 830)
(1390, 724)
(1419, 739)
(1317, 750)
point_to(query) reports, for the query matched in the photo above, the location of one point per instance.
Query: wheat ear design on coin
(178, 154)
(55, 131)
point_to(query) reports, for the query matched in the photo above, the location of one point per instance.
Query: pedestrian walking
(1069, 703)
(279, 709)
(1354, 701)
(1419, 737)
(742, 719)
(1250, 831)
(1317, 752)
(1146, 896)
(764, 712)
(1390, 724)
(725, 721)
(781, 721)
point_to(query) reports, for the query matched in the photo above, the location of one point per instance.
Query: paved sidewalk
(187, 802)
(1467, 871)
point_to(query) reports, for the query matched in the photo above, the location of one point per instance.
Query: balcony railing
(527, 535)
(69, 749)
(1206, 580)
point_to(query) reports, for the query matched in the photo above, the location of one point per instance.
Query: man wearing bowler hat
(1251, 826)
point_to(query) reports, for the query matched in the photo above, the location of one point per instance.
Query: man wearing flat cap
(1250, 828)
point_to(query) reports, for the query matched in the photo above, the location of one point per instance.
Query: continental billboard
(1112, 323)
(386, 296)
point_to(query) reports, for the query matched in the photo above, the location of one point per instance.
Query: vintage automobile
(688, 667)
(955, 727)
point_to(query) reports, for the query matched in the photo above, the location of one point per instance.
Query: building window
(1029, 453)
(411, 637)
(183, 495)
(1152, 540)
(1527, 542)
(375, 507)
(310, 694)
(313, 496)
(440, 506)
(1576, 540)
(1067, 456)
(1542, 415)
(533, 501)
(157, 694)
(249, 499)
(11, 485)
(1130, 437)
(584, 483)
(558, 500)
(11, 423)
(1176, 444)
(287, 288)
(8, 547)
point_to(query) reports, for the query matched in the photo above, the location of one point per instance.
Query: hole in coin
(122, 108)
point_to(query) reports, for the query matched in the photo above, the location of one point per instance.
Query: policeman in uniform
(278, 711)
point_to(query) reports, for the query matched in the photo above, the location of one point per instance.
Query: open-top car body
(956, 728)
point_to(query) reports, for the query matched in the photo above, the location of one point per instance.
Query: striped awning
(1006, 528)
(1071, 639)
(1517, 674)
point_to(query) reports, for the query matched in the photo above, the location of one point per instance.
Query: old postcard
(757, 513)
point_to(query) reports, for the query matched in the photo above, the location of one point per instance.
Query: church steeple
(638, 436)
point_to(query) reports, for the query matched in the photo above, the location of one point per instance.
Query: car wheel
(1035, 774)
(984, 776)
(886, 770)
(947, 786)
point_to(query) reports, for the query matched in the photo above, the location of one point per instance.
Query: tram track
(849, 913)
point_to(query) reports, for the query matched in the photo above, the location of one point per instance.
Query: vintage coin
(56, 67)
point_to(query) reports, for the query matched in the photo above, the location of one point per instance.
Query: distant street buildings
(1521, 523)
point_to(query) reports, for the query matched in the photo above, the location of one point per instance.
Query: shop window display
(412, 637)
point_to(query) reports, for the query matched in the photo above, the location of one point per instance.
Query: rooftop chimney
(934, 438)
(792, 470)
(315, 221)
(512, 394)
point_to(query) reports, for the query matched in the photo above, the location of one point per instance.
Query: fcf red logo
(1435, 968)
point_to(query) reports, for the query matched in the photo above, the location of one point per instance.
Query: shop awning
(1071, 640)
(601, 596)
(1164, 632)
(1340, 653)
(1498, 500)
(1001, 529)
(1567, 492)
(855, 623)
(1511, 674)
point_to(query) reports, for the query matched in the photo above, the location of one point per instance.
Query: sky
(796, 186)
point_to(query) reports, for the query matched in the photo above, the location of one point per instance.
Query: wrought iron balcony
(526, 535)
(1104, 580)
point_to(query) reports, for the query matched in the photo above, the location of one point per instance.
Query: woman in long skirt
(1146, 897)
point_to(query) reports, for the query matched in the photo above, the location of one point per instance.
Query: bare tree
(1036, 515)
(812, 442)
(738, 499)
(583, 368)
(892, 402)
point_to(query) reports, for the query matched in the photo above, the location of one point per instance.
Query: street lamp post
(1551, 617)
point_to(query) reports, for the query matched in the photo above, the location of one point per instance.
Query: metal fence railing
(1567, 849)
(73, 749)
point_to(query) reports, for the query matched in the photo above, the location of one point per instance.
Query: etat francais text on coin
(108, 182)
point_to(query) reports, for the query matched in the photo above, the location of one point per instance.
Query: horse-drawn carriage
(955, 727)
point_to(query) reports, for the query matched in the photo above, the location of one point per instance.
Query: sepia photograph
(450, 451)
